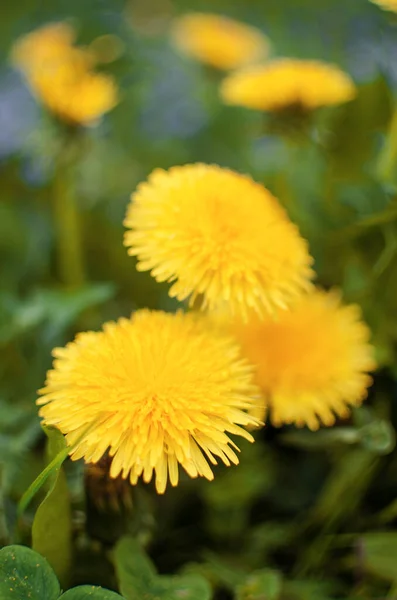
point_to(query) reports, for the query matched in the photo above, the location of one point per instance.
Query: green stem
(67, 221)
(4, 534)
(282, 186)
(387, 163)
(55, 464)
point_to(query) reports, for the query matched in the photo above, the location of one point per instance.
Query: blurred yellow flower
(386, 4)
(219, 41)
(77, 96)
(288, 83)
(219, 236)
(48, 43)
(312, 362)
(61, 75)
(160, 389)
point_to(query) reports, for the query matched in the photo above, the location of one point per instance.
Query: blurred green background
(313, 514)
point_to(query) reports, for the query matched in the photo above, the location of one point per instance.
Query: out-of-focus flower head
(159, 390)
(219, 41)
(312, 362)
(76, 96)
(387, 4)
(61, 75)
(286, 84)
(48, 43)
(218, 236)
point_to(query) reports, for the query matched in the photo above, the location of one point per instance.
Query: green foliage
(380, 554)
(89, 592)
(305, 515)
(25, 575)
(138, 578)
(261, 585)
(53, 310)
(54, 514)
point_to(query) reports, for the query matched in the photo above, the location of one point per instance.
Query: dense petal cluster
(61, 75)
(386, 4)
(160, 389)
(312, 362)
(285, 83)
(219, 236)
(219, 41)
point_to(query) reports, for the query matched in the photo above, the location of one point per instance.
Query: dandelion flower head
(312, 362)
(48, 43)
(160, 390)
(288, 83)
(75, 96)
(61, 75)
(386, 4)
(217, 235)
(219, 41)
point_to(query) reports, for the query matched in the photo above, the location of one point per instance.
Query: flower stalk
(387, 163)
(67, 219)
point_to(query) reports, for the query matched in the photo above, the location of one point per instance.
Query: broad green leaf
(90, 592)
(52, 529)
(138, 578)
(380, 554)
(135, 571)
(186, 587)
(261, 585)
(217, 571)
(25, 575)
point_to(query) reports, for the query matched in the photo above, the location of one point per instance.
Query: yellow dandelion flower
(61, 76)
(386, 4)
(217, 235)
(76, 96)
(48, 43)
(160, 389)
(312, 362)
(288, 83)
(219, 41)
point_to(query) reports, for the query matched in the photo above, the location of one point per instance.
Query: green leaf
(25, 575)
(307, 589)
(217, 571)
(183, 587)
(138, 578)
(54, 309)
(52, 529)
(135, 571)
(380, 554)
(261, 585)
(90, 592)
